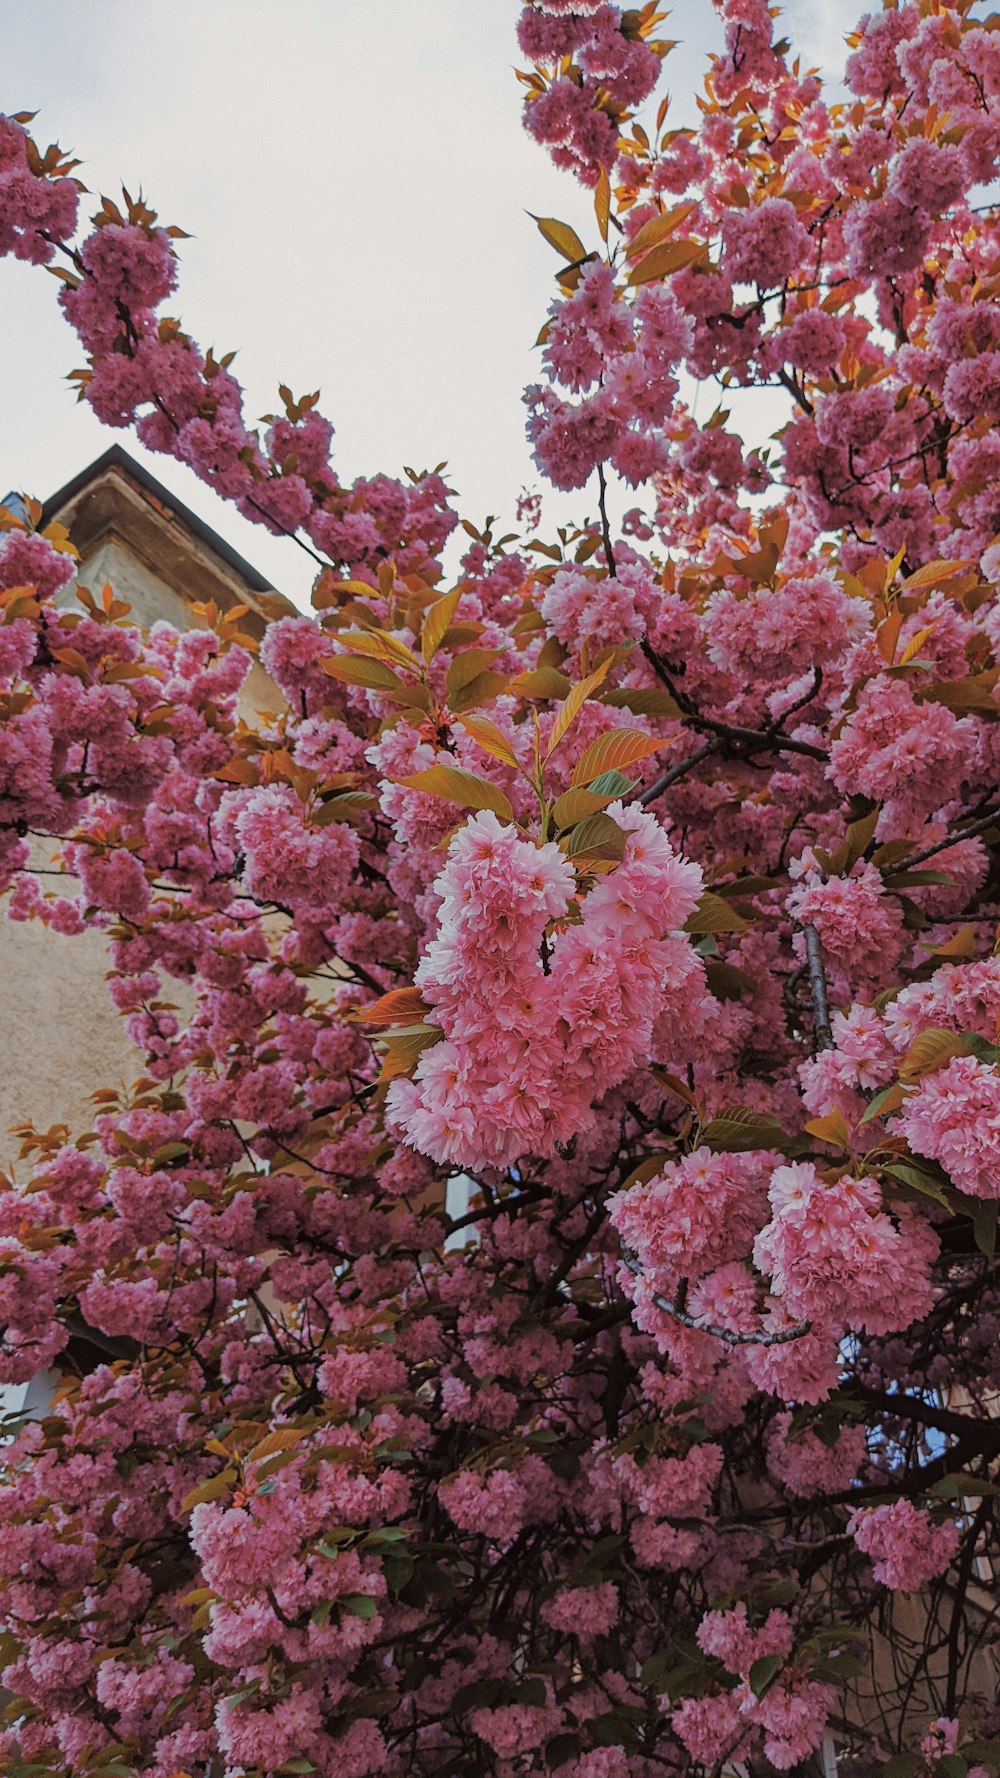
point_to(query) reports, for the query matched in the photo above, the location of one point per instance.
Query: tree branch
(964, 833)
(678, 1313)
(664, 781)
(602, 503)
(817, 989)
(750, 740)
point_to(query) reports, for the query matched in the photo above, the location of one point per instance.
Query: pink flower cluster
(834, 1256)
(35, 212)
(527, 1046)
(701, 1211)
(568, 116)
(954, 1118)
(906, 1547)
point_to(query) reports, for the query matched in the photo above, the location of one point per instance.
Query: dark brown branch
(664, 781)
(748, 740)
(911, 1407)
(602, 503)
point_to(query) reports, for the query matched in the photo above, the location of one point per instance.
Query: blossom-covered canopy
(645, 882)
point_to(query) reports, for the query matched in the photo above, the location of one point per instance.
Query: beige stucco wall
(60, 1037)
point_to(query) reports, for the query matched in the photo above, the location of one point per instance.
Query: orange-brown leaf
(613, 752)
(403, 1006)
(574, 703)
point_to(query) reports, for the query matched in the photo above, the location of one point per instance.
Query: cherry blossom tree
(646, 881)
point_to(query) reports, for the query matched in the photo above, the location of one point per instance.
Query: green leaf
(597, 837)
(342, 1534)
(890, 1098)
(902, 1765)
(531, 1691)
(481, 1693)
(919, 1181)
(560, 1749)
(644, 700)
(963, 1487)
(952, 1765)
(358, 1604)
(739, 1130)
(726, 981)
(762, 1674)
(714, 915)
(612, 784)
(983, 1214)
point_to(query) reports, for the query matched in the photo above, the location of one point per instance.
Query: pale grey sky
(355, 179)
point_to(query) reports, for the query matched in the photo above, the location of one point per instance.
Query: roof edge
(116, 457)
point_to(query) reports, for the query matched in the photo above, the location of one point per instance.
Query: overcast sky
(355, 179)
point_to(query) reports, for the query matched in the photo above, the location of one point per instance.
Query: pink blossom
(906, 1547)
(764, 245)
(832, 1252)
(954, 1118)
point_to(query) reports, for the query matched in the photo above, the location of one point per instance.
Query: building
(59, 1033)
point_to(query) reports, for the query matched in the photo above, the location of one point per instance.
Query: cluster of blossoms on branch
(649, 883)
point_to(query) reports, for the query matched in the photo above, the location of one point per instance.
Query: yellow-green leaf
(437, 621)
(283, 1438)
(713, 914)
(916, 643)
(930, 1049)
(833, 1128)
(541, 682)
(456, 785)
(404, 1051)
(643, 700)
(976, 692)
(597, 837)
(481, 690)
(559, 235)
(577, 805)
(374, 675)
(467, 666)
(379, 645)
(669, 257)
(740, 1130)
(659, 228)
(933, 573)
(210, 1490)
(602, 202)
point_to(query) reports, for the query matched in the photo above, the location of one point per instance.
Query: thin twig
(964, 833)
(602, 502)
(678, 1313)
